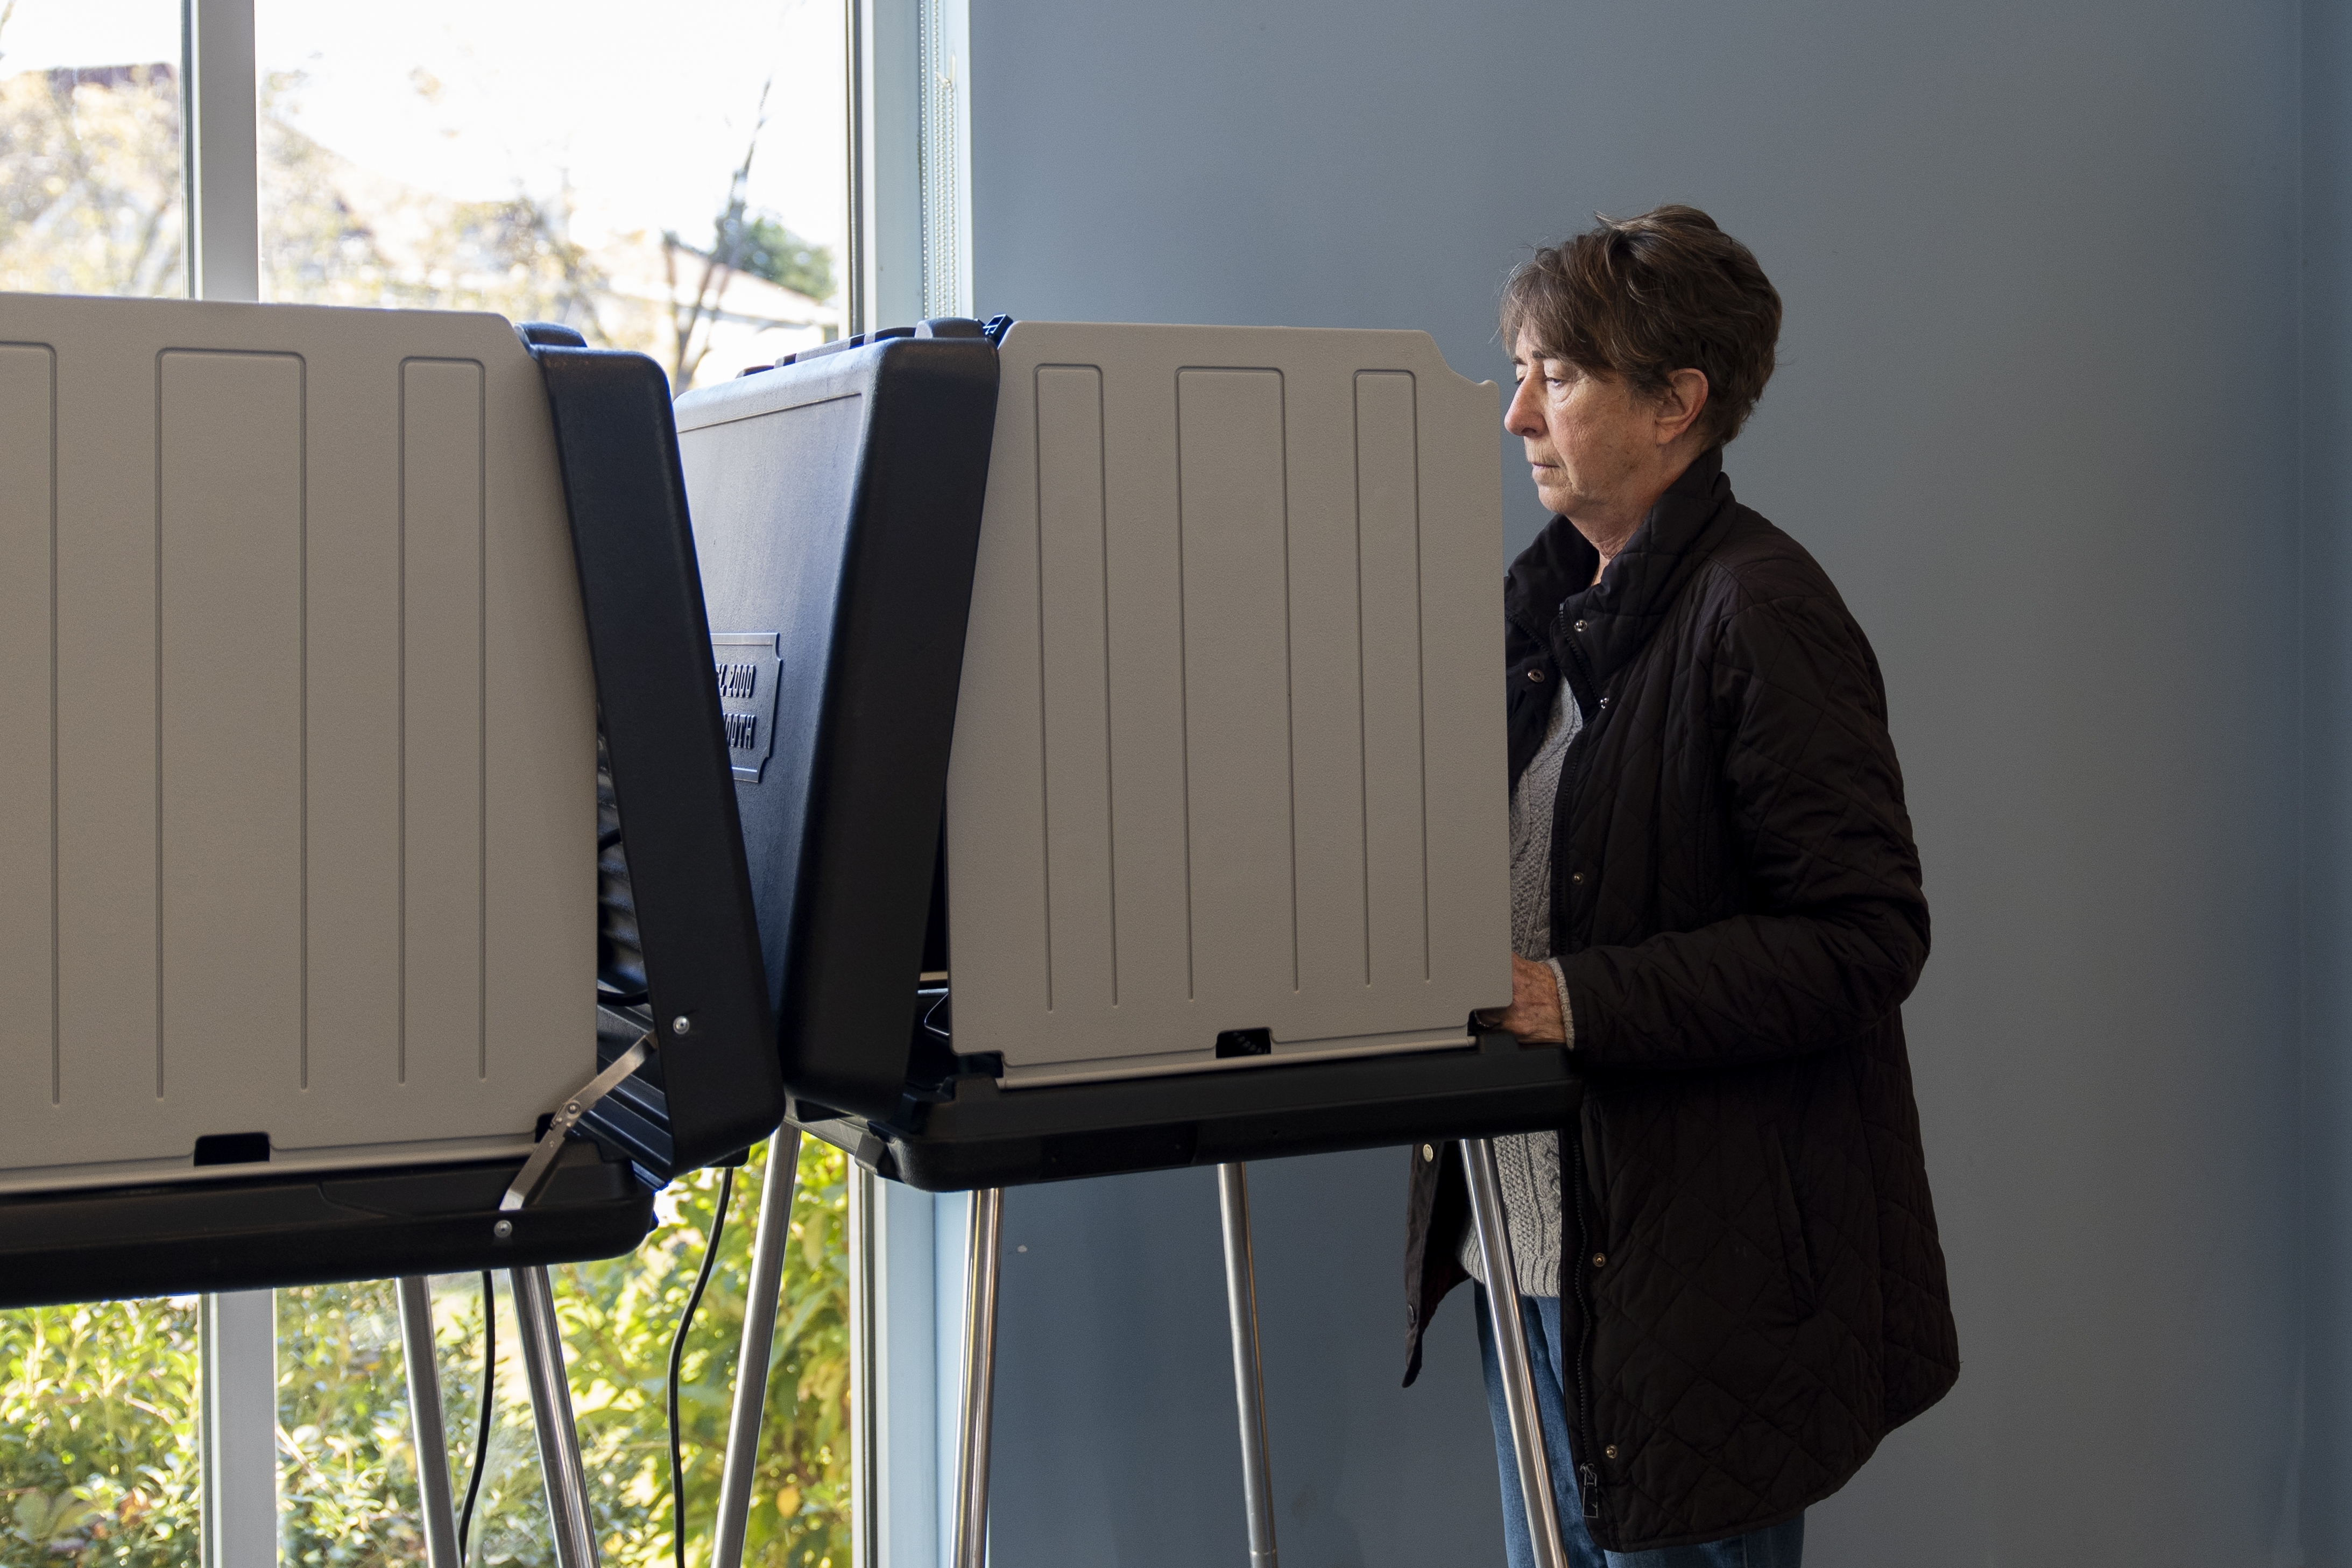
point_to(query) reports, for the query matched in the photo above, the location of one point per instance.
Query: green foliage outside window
(99, 1409)
(617, 1320)
(760, 244)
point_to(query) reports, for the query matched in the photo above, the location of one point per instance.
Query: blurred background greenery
(99, 1407)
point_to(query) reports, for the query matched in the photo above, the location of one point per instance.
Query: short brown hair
(1640, 298)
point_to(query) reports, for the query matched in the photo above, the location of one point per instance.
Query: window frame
(221, 170)
(910, 255)
(220, 150)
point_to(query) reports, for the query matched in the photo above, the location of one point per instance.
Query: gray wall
(2328, 782)
(2038, 413)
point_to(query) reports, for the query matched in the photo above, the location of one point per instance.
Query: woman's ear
(1679, 404)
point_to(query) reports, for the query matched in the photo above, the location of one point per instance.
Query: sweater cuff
(1567, 1018)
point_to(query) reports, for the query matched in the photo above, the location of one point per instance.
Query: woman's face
(1592, 443)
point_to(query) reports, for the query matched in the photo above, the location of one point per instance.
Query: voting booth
(360, 767)
(1127, 788)
(1113, 727)
(1045, 751)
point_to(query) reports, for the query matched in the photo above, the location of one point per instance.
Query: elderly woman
(1729, 1263)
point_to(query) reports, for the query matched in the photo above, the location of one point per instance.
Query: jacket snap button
(1535, 675)
(1428, 1152)
(1579, 625)
(1610, 1451)
(1575, 876)
(1601, 1260)
(1604, 702)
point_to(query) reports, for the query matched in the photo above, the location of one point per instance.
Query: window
(672, 180)
(91, 179)
(98, 1403)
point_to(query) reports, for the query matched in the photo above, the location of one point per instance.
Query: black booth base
(988, 1136)
(261, 1231)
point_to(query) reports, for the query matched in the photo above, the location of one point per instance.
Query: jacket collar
(1549, 583)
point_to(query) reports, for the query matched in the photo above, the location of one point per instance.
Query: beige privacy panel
(297, 739)
(1229, 751)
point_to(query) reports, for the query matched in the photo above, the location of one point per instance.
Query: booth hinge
(551, 1144)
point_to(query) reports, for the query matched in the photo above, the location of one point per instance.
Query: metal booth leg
(425, 1421)
(750, 1407)
(1249, 1385)
(1511, 1346)
(978, 1378)
(550, 1411)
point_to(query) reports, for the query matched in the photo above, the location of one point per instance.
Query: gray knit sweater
(1528, 1163)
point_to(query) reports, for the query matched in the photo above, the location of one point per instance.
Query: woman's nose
(1521, 417)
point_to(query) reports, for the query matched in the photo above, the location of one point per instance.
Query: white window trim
(237, 1333)
(903, 1388)
(887, 194)
(911, 185)
(220, 142)
(910, 180)
(237, 1458)
(944, 61)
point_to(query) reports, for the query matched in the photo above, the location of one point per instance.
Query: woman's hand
(1533, 1013)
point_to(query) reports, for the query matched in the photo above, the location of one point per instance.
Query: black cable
(489, 1384)
(678, 1359)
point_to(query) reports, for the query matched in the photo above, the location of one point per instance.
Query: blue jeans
(1781, 1546)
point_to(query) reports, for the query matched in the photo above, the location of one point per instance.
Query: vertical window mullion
(219, 162)
(239, 1458)
(889, 215)
(908, 256)
(943, 29)
(220, 150)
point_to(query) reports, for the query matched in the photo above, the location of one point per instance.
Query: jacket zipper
(1581, 685)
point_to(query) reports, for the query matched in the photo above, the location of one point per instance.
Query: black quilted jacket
(1751, 1279)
